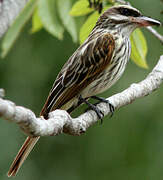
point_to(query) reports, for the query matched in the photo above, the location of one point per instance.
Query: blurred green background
(129, 146)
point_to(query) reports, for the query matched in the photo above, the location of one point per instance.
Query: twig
(60, 121)
(155, 33)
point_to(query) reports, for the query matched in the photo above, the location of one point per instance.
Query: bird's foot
(93, 107)
(112, 108)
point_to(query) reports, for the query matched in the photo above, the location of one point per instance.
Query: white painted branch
(9, 9)
(60, 121)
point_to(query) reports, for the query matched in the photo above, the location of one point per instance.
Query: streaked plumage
(93, 68)
(81, 71)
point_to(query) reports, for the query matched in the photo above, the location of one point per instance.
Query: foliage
(80, 8)
(139, 48)
(56, 16)
(16, 27)
(88, 25)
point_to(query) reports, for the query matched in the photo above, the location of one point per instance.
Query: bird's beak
(146, 21)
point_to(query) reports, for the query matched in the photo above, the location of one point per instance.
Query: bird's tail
(31, 141)
(22, 155)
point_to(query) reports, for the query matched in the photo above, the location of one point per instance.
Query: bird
(92, 69)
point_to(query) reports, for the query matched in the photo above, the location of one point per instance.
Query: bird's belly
(106, 78)
(113, 72)
(106, 81)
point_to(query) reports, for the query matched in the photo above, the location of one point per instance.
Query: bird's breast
(114, 70)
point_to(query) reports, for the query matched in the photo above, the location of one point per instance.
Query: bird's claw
(99, 113)
(93, 107)
(112, 108)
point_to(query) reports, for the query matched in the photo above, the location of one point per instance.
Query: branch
(9, 9)
(155, 33)
(60, 121)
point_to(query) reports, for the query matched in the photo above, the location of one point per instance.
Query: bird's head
(125, 18)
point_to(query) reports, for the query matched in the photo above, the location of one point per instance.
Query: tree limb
(60, 121)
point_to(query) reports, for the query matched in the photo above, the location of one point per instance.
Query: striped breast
(118, 64)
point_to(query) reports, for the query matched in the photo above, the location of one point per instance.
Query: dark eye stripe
(128, 12)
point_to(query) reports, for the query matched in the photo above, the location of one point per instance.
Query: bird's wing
(82, 68)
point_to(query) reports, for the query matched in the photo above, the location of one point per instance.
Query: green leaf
(36, 22)
(81, 8)
(89, 24)
(47, 11)
(139, 48)
(67, 20)
(13, 32)
(112, 1)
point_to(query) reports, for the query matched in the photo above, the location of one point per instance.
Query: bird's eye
(128, 12)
